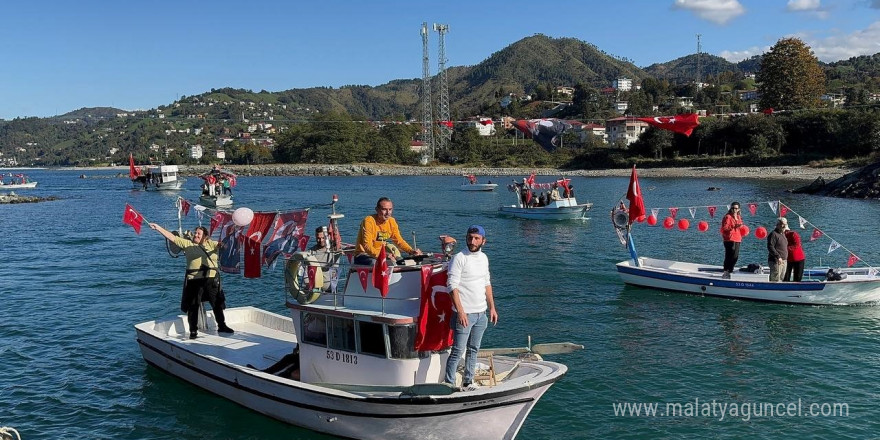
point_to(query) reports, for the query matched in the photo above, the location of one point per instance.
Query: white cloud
(827, 49)
(735, 56)
(718, 11)
(803, 5)
(841, 47)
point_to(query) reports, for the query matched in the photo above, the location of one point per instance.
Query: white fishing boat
(359, 375)
(530, 205)
(155, 177)
(819, 285)
(217, 188)
(17, 181)
(471, 184)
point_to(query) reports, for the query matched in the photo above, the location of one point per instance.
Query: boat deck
(259, 342)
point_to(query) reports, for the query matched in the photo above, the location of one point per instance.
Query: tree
(790, 76)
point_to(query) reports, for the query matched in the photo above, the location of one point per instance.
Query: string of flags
(778, 208)
(258, 238)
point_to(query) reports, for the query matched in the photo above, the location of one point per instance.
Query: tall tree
(790, 76)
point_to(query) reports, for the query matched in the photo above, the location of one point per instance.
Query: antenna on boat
(334, 237)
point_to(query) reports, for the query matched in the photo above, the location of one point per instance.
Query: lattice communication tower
(443, 107)
(427, 114)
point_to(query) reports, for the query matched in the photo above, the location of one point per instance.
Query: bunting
(712, 211)
(833, 246)
(773, 205)
(753, 208)
(852, 260)
(802, 222)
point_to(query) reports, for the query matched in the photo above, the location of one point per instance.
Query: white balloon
(242, 216)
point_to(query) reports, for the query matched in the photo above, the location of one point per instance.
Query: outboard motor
(835, 275)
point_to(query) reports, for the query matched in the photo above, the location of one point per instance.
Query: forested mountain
(532, 66)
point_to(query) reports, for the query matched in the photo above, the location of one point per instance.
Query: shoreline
(791, 173)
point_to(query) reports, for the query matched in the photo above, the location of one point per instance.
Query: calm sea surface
(74, 280)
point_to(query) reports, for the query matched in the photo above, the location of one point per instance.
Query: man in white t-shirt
(471, 290)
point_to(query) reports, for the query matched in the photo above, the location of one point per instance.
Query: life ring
(296, 277)
(620, 218)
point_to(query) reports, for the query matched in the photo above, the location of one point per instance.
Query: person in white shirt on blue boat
(470, 287)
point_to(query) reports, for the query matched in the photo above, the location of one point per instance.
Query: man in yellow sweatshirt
(376, 231)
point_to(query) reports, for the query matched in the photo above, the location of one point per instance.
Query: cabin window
(371, 338)
(402, 338)
(314, 327)
(342, 333)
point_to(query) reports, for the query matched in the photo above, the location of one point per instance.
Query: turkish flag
(363, 275)
(252, 258)
(220, 220)
(311, 272)
(852, 260)
(133, 172)
(634, 194)
(434, 331)
(782, 210)
(673, 212)
(712, 211)
(684, 123)
(816, 234)
(381, 273)
(753, 208)
(486, 122)
(446, 123)
(133, 218)
(184, 207)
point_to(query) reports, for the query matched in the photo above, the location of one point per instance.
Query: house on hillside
(623, 84)
(485, 126)
(624, 128)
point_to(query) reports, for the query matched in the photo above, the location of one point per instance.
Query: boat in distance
(17, 181)
(819, 287)
(470, 184)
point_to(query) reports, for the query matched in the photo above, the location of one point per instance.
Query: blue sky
(60, 56)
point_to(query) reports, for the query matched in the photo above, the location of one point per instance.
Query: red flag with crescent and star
(382, 273)
(712, 211)
(434, 331)
(684, 123)
(363, 276)
(311, 272)
(132, 218)
(634, 194)
(816, 234)
(253, 244)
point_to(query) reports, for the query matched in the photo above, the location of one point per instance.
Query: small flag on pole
(132, 218)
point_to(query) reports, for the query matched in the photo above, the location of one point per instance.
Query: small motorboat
(155, 177)
(558, 206)
(17, 181)
(217, 188)
(470, 184)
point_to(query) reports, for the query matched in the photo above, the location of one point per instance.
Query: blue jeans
(466, 338)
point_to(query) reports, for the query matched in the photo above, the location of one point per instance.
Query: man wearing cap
(471, 291)
(777, 250)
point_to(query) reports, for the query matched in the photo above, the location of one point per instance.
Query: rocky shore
(12, 198)
(791, 173)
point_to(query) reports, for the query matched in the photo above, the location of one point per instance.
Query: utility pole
(443, 107)
(427, 115)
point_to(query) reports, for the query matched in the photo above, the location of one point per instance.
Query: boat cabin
(355, 336)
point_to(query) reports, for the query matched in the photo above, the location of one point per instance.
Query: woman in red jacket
(732, 238)
(796, 257)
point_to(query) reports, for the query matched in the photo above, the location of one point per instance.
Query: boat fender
(620, 218)
(297, 279)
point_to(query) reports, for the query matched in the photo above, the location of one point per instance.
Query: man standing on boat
(202, 281)
(777, 250)
(732, 238)
(376, 231)
(471, 291)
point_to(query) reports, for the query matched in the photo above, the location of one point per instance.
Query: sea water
(74, 280)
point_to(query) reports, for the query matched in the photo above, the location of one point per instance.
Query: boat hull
(858, 288)
(29, 185)
(479, 187)
(173, 185)
(214, 362)
(548, 213)
(216, 201)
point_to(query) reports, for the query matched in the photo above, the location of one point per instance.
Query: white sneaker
(472, 387)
